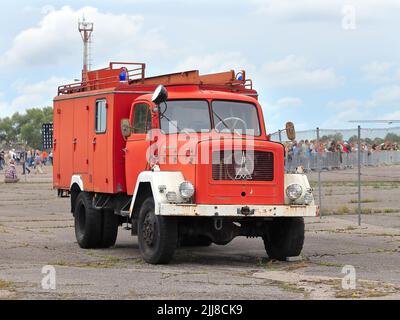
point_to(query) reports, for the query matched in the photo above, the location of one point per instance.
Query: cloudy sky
(315, 62)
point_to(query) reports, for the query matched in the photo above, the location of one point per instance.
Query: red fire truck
(182, 159)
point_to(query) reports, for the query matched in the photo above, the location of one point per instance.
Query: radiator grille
(243, 165)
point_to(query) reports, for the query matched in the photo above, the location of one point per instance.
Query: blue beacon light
(122, 76)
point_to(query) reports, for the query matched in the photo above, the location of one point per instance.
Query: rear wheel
(284, 238)
(157, 235)
(88, 222)
(110, 228)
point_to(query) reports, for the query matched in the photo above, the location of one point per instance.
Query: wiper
(232, 130)
(222, 120)
(162, 115)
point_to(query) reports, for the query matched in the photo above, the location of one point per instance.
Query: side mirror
(290, 131)
(126, 128)
(160, 95)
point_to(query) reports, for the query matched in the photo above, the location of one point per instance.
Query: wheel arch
(76, 187)
(144, 191)
(157, 184)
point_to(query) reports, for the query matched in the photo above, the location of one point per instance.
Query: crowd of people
(308, 147)
(30, 161)
(332, 153)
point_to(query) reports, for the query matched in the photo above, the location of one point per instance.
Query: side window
(141, 118)
(101, 116)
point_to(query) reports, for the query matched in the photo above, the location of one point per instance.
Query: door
(63, 144)
(137, 145)
(99, 147)
(80, 140)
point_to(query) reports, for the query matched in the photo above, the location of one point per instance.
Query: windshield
(235, 116)
(194, 116)
(185, 115)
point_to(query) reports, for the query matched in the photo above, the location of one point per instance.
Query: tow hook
(218, 224)
(245, 211)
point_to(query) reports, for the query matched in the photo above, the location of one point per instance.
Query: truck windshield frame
(171, 122)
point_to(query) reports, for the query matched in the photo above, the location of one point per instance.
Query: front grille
(239, 165)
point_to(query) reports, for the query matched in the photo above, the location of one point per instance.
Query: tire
(157, 235)
(88, 222)
(284, 238)
(110, 228)
(199, 241)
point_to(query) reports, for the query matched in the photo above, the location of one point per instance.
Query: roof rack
(105, 78)
(135, 75)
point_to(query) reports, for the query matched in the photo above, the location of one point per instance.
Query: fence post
(319, 177)
(359, 175)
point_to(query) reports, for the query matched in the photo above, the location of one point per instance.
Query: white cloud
(31, 95)
(289, 102)
(55, 39)
(344, 105)
(291, 71)
(47, 9)
(381, 72)
(386, 96)
(340, 120)
(391, 116)
(216, 62)
(294, 71)
(277, 113)
(327, 10)
(382, 99)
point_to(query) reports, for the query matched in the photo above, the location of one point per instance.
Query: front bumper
(195, 210)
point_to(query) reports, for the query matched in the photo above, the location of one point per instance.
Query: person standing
(2, 162)
(44, 157)
(11, 173)
(51, 157)
(24, 163)
(29, 158)
(38, 163)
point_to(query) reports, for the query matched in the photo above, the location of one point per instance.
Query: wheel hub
(148, 230)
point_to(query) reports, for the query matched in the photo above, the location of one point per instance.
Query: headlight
(294, 191)
(186, 190)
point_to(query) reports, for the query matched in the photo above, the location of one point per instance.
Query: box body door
(80, 140)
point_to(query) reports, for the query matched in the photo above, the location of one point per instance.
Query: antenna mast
(86, 30)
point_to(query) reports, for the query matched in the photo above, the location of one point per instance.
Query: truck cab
(188, 162)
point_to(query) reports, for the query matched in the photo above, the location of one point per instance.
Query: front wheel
(284, 238)
(157, 235)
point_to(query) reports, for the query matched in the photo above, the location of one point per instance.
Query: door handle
(94, 141)
(125, 150)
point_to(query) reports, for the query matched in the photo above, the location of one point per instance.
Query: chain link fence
(341, 155)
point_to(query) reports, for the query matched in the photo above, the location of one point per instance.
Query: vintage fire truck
(180, 159)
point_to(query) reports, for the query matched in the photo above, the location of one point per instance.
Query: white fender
(161, 183)
(300, 179)
(78, 180)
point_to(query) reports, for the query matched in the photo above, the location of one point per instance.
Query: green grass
(373, 184)
(6, 284)
(343, 210)
(366, 200)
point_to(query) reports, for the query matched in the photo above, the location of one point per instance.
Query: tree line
(24, 129)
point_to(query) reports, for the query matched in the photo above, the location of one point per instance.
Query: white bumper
(194, 210)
